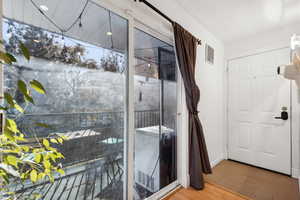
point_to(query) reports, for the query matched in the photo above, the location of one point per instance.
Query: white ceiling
(236, 19)
(95, 24)
(95, 20)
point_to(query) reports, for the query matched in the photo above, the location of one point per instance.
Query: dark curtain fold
(186, 49)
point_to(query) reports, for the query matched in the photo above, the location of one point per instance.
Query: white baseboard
(295, 173)
(217, 161)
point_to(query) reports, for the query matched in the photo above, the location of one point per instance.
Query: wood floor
(235, 181)
(253, 182)
(211, 192)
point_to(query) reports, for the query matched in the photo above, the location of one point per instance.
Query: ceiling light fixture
(44, 8)
(109, 33)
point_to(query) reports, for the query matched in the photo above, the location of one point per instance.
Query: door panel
(155, 136)
(256, 96)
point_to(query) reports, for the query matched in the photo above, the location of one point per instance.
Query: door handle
(284, 115)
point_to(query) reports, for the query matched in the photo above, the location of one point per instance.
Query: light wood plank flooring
(211, 192)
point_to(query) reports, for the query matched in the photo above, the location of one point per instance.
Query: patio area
(93, 153)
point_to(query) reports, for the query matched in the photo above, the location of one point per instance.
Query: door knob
(284, 115)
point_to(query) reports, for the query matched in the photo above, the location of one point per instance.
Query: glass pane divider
(130, 131)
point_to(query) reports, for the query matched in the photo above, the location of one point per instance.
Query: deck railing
(94, 155)
(66, 122)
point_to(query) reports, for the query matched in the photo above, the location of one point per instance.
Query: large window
(84, 74)
(83, 66)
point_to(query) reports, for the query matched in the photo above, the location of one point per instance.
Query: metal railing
(66, 122)
(95, 166)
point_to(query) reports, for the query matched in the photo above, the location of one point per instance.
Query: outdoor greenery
(23, 160)
(47, 45)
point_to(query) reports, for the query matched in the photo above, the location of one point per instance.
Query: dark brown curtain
(186, 49)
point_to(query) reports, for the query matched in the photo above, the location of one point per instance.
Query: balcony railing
(66, 122)
(93, 153)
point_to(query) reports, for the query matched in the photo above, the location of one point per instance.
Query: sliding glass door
(84, 73)
(115, 102)
(155, 106)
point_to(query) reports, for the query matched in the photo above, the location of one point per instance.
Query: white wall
(258, 43)
(208, 77)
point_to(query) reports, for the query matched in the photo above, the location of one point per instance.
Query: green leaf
(53, 140)
(28, 98)
(46, 143)
(41, 176)
(12, 160)
(37, 158)
(42, 125)
(9, 134)
(11, 57)
(60, 140)
(24, 51)
(11, 125)
(37, 86)
(60, 155)
(19, 108)
(3, 108)
(22, 87)
(33, 175)
(47, 164)
(51, 178)
(62, 172)
(64, 137)
(5, 58)
(25, 148)
(9, 99)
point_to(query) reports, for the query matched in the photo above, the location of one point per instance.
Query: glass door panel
(84, 73)
(155, 115)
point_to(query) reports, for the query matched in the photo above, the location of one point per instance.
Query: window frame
(134, 21)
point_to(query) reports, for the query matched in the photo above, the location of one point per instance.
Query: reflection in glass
(155, 115)
(83, 72)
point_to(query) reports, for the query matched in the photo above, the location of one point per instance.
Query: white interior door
(256, 96)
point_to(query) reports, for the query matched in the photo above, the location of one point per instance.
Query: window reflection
(155, 132)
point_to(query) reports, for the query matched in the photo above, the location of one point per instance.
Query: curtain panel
(186, 51)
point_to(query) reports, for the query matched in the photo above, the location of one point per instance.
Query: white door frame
(134, 20)
(294, 122)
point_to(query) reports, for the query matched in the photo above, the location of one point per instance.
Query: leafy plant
(23, 161)
(45, 45)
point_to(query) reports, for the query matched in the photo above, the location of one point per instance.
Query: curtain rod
(160, 13)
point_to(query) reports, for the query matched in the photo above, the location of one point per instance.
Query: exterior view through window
(85, 73)
(155, 129)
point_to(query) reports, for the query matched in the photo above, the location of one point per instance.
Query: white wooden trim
(163, 192)
(216, 162)
(130, 134)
